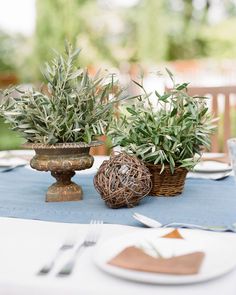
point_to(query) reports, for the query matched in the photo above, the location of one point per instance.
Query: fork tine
(98, 229)
(94, 231)
(90, 240)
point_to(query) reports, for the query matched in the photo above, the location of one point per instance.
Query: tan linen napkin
(136, 259)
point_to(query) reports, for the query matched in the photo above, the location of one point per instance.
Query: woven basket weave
(122, 181)
(166, 183)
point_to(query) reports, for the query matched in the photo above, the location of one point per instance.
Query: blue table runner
(203, 202)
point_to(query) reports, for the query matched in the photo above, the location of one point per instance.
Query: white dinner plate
(15, 157)
(220, 256)
(4, 163)
(17, 153)
(211, 167)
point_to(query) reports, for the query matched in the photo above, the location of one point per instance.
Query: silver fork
(156, 224)
(89, 241)
(69, 243)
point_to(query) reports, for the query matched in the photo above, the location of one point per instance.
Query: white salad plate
(212, 167)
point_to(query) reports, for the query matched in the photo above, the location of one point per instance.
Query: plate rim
(156, 278)
(227, 168)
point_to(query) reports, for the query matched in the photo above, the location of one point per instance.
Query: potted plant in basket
(62, 122)
(166, 134)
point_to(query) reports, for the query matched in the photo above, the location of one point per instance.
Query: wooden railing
(222, 105)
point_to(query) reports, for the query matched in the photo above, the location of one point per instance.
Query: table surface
(37, 242)
(22, 196)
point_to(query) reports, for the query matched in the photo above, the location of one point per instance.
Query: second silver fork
(69, 243)
(90, 240)
(156, 224)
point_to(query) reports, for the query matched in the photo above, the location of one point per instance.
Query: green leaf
(174, 112)
(182, 86)
(170, 75)
(165, 97)
(157, 94)
(138, 84)
(131, 111)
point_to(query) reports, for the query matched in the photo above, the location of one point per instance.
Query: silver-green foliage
(170, 133)
(74, 108)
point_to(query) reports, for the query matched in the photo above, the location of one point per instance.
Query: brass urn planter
(62, 160)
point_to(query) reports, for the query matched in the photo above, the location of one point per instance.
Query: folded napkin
(174, 234)
(136, 259)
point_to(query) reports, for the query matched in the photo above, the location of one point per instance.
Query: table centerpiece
(166, 134)
(62, 120)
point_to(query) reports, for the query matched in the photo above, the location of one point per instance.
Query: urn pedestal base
(64, 189)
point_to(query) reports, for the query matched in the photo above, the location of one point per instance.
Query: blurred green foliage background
(144, 32)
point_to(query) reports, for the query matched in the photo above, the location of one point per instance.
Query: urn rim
(71, 145)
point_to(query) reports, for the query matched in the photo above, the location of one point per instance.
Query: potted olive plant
(166, 134)
(63, 121)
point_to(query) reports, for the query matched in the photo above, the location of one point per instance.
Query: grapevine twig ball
(122, 181)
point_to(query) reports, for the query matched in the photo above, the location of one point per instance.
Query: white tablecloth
(25, 246)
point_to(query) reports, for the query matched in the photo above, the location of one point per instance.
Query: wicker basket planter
(166, 183)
